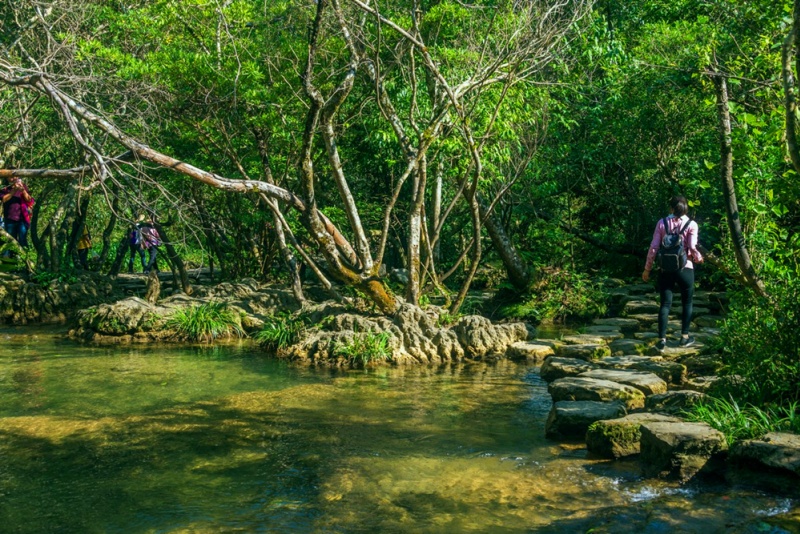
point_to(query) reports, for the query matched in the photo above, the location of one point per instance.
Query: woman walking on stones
(677, 224)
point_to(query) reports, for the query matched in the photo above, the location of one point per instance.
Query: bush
(559, 296)
(760, 343)
(206, 322)
(365, 348)
(281, 331)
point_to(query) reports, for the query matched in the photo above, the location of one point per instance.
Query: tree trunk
(728, 187)
(176, 260)
(788, 53)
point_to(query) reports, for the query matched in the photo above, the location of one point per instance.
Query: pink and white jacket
(689, 240)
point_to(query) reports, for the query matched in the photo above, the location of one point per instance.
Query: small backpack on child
(672, 254)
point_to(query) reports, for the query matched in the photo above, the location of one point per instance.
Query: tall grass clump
(365, 348)
(281, 331)
(206, 322)
(744, 422)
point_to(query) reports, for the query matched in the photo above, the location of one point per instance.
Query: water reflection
(226, 439)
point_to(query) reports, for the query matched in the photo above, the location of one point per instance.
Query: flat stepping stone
(552, 343)
(590, 351)
(645, 336)
(531, 352)
(673, 402)
(647, 383)
(671, 372)
(645, 319)
(621, 347)
(578, 388)
(555, 368)
(571, 419)
(702, 365)
(701, 383)
(681, 450)
(616, 438)
(625, 324)
(777, 450)
(584, 339)
(638, 307)
(711, 321)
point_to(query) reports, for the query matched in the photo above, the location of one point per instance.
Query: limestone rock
(616, 438)
(584, 339)
(701, 383)
(554, 368)
(638, 307)
(592, 389)
(479, 337)
(681, 450)
(647, 383)
(673, 402)
(570, 419)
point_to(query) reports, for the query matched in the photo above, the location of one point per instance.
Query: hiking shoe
(661, 345)
(686, 341)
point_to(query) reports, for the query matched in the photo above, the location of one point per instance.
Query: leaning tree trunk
(789, 55)
(728, 187)
(108, 231)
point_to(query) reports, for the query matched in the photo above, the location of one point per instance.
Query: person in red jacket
(17, 206)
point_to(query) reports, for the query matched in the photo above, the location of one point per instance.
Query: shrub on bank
(559, 296)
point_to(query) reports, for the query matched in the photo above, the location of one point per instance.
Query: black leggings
(666, 283)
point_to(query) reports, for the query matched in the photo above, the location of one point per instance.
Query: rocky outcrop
(23, 302)
(414, 336)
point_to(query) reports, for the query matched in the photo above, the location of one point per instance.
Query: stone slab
(673, 402)
(570, 419)
(593, 389)
(616, 438)
(531, 352)
(681, 450)
(589, 351)
(647, 383)
(555, 368)
(776, 450)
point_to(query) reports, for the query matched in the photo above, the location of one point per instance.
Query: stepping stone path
(611, 388)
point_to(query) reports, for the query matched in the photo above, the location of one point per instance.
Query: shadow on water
(237, 442)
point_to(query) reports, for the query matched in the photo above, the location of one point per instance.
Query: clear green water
(224, 439)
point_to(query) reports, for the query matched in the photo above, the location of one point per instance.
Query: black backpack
(671, 255)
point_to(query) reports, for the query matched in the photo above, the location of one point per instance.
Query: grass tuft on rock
(206, 322)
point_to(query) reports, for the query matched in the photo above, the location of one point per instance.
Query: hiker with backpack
(135, 245)
(674, 249)
(150, 241)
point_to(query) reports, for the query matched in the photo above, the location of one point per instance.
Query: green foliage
(365, 348)
(206, 322)
(560, 296)
(744, 422)
(281, 331)
(46, 278)
(761, 344)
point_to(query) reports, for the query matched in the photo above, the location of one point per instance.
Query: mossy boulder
(616, 438)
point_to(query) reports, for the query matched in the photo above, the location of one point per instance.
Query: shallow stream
(225, 439)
